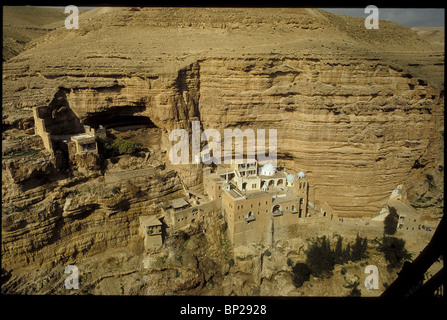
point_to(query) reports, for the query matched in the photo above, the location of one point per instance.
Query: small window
(251, 206)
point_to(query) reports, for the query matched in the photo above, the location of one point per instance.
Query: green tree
(394, 250)
(122, 146)
(359, 249)
(301, 273)
(320, 258)
(390, 222)
(346, 256)
(338, 253)
(117, 147)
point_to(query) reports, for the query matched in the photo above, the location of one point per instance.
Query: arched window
(277, 209)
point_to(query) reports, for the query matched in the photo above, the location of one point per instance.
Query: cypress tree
(391, 221)
(347, 253)
(320, 258)
(359, 249)
(338, 253)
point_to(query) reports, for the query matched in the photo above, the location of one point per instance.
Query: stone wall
(184, 218)
(40, 129)
(122, 176)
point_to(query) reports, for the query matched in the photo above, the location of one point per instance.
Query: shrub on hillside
(320, 257)
(117, 147)
(301, 273)
(122, 146)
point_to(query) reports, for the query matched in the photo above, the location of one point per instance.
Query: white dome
(301, 175)
(290, 177)
(268, 169)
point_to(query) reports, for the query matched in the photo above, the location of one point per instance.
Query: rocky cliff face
(360, 111)
(72, 219)
(356, 126)
(353, 117)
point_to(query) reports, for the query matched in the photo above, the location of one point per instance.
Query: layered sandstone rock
(353, 117)
(360, 111)
(79, 221)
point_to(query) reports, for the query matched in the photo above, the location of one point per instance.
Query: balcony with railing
(277, 211)
(249, 217)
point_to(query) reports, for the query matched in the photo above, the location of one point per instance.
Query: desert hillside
(434, 35)
(21, 24)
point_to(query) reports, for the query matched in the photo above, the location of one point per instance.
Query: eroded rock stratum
(360, 111)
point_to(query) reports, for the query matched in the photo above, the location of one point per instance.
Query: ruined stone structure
(84, 143)
(61, 130)
(40, 128)
(180, 214)
(151, 230)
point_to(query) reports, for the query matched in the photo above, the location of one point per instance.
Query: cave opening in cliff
(129, 124)
(122, 119)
